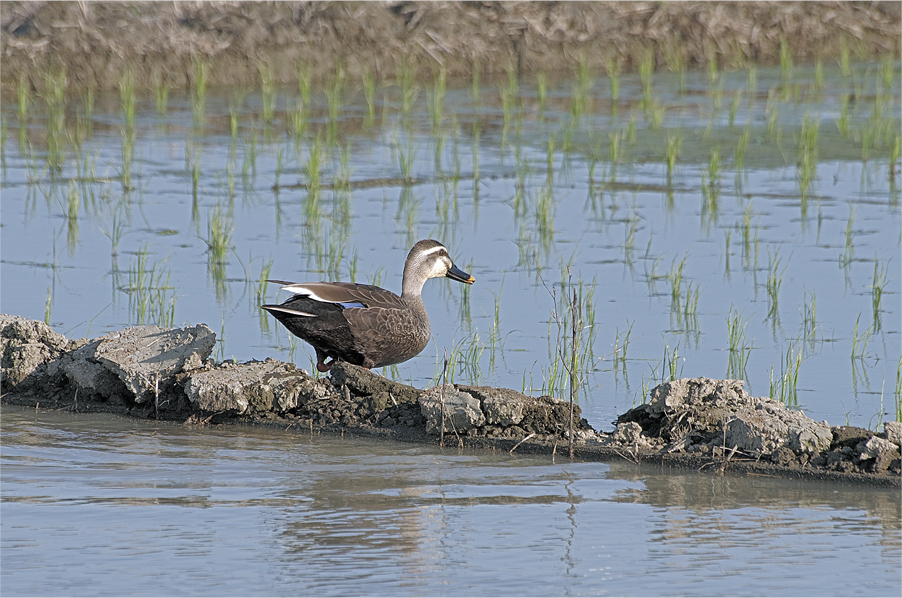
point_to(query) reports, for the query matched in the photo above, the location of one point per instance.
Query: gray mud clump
(147, 371)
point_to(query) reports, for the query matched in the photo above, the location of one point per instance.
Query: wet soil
(160, 42)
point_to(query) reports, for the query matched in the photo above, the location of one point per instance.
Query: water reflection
(250, 511)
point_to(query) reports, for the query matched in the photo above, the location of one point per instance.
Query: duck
(364, 324)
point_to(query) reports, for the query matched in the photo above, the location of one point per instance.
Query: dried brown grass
(159, 40)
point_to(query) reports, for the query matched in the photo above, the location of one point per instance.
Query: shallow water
(101, 505)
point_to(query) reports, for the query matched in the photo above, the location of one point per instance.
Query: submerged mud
(707, 424)
(96, 43)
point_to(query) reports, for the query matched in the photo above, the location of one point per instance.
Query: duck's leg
(321, 364)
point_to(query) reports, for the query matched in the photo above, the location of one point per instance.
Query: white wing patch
(300, 289)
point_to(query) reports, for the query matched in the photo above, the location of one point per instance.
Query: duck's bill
(455, 273)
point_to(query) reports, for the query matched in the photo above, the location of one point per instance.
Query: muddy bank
(97, 42)
(706, 424)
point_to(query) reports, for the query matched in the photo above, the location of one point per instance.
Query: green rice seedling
(860, 342)
(773, 113)
(406, 160)
(161, 94)
(740, 348)
(195, 179)
(848, 253)
(219, 238)
(55, 83)
(877, 289)
(47, 306)
(616, 149)
(807, 156)
(369, 95)
(898, 391)
(437, 103)
(305, 82)
(267, 90)
(845, 56)
(774, 282)
(509, 107)
(4, 133)
(894, 156)
(785, 61)
(333, 102)
(741, 147)
(151, 298)
(752, 85)
(713, 67)
(544, 215)
(313, 165)
(672, 149)
(409, 92)
(73, 201)
(23, 95)
(618, 355)
(690, 306)
(646, 72)
(818, 76)
(199, 91)
(673, 56)
(728, 235)
(734, 107)
(657, 110)
(676, 282)
(711, 186)
(809, 318)
(541, 91)
(887, 71)
(612, 65)
(784, 388)
(672, 363)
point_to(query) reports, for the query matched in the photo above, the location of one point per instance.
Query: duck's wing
(346, 294)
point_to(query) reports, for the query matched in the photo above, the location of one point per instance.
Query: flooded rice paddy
(742, 224)
(724, 224)
(102, 505)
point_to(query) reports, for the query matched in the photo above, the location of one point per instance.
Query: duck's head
(430, 259)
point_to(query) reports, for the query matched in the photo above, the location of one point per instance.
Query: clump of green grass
(809, 317)
(646, 72)
(860, 342)
(672, 149)
(161, 94)
(199, 90)
(845, 259)
(784, 388)
(55, 83)
(219, 241)
(267, 90)
(151, 298)
(612, 65)
(878, 286)
(369, 94)
(740, 348)
(774, 282)
(807, 155)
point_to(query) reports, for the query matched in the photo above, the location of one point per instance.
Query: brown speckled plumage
(364, 324)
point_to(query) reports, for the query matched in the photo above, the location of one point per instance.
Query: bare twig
(521, 442)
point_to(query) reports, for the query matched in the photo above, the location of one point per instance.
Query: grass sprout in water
(151, 298)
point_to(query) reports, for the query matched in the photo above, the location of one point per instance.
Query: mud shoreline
(160, 43)
(166, 374)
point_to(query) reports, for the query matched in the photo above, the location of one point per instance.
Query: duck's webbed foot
(324, 366)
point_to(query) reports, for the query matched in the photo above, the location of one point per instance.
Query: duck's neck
(411, 289)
